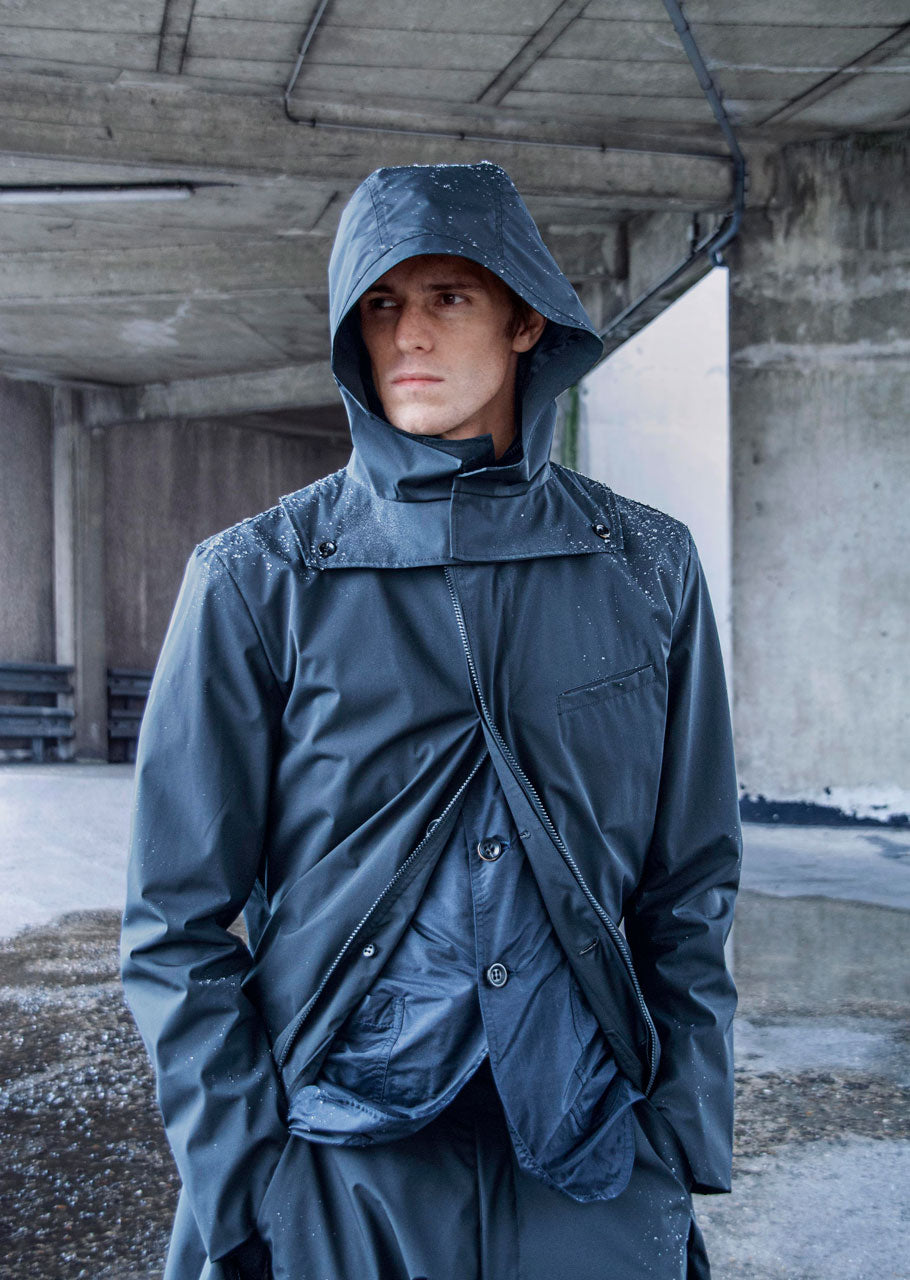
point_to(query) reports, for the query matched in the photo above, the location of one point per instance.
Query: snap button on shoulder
(369, 950)
(490, 848)
(497, 975)
(601, 529)
(327, 548)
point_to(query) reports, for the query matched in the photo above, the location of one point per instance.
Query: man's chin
(415, 426)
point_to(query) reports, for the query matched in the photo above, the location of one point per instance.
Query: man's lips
(414, 379)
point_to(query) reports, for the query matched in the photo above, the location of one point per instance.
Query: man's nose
(412, 332)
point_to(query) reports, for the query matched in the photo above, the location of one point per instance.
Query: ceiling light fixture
(97, 193)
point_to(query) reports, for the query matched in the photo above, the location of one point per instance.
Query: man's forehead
(437, 268)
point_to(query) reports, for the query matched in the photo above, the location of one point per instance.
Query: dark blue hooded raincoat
(331, 672)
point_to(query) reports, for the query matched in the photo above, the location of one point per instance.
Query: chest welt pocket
(612, 686)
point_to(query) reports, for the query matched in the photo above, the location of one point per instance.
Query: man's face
(436, 328)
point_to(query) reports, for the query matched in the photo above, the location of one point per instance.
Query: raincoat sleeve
(202, 783)
(682, 911)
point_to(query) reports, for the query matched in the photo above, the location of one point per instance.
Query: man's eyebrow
(453, 284)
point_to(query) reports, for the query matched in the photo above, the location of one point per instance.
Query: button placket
(492, 837)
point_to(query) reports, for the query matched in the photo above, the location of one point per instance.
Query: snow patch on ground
(64, 834)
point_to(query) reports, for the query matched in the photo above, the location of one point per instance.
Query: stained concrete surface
(878, 1046)
(87, 1186)
(823, 918)
(837, 1210)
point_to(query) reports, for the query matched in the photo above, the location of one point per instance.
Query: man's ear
(530, 331)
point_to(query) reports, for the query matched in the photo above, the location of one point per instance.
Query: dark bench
(127, 690)
(36, 716)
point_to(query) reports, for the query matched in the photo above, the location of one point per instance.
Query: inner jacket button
(497, 975)
(369, 950)
(601, 529)
(327, 548)
(490, 849)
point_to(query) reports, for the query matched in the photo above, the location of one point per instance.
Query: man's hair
(520, 314)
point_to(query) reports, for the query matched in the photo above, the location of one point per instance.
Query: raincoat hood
(472, 211)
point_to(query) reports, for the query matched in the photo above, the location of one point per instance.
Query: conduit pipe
(621, 326)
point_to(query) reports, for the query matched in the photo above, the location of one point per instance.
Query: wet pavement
(87, 1185)
(821, 1167)
(821, 1186)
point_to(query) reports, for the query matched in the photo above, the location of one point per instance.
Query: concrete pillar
(78, 486)
(820, 452)
(26, 533)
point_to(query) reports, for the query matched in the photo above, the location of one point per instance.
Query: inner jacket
(480, 972)
(332, 672)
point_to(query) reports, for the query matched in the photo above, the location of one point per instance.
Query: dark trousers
(450, 1202)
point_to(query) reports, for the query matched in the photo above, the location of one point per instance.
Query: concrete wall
(26, 523)
(170, 484)
(820, 396)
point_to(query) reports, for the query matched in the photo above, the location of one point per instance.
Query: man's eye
(450, 299)
(381, 304)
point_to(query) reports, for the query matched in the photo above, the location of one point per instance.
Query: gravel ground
(87, 1185)
(774, 1110)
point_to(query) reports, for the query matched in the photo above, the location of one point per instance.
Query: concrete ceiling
(220, 298)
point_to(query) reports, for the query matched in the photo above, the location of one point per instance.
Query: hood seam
(378, 213)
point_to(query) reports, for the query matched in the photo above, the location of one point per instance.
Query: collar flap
(342, 524)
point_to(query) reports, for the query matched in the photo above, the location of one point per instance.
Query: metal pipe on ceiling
(99, 193)
(466, 135)
(622, 326)
(301, 54)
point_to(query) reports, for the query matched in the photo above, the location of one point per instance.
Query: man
(450, 726)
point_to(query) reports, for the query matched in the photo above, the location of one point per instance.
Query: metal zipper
(618, 940)
(290, 1035)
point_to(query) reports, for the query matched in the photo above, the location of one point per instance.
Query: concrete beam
(162, 122)
(547, 34)
(296, 386)
(845, 75)
(302, 386)
(175, 31)
(213, 270)
(79, 595)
